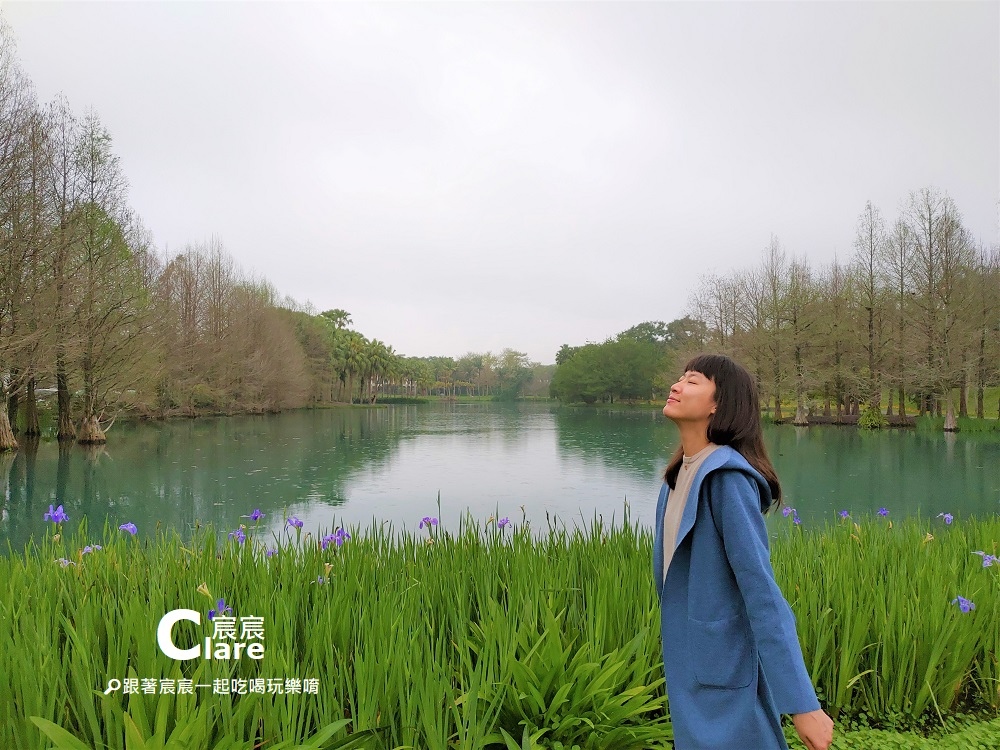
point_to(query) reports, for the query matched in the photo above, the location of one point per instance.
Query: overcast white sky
(473, 176)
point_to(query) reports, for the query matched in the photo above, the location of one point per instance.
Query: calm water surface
(336, 466)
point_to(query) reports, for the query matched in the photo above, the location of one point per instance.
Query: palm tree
(338, 318)
(379, 361)
(355, 360)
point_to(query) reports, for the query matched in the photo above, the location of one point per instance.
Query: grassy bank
(479, 636)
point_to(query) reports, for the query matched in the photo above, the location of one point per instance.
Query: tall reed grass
(879, 617)
(487, 636)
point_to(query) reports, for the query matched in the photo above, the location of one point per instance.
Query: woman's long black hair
(736, 421)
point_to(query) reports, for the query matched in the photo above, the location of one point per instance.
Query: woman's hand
(815, 729)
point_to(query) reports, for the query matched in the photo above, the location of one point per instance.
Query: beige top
(677, 499)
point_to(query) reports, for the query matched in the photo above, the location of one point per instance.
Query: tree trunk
(777, 407)
(950, 423)
(13, 401)
(91, 432)
(963, 398)
(801, 420)
(888, 411)
(31, 426)
(981, 376)
(902, 403)
(7, 441)
(66, 431)
(838, 385)
(874, 388)
(90, 428)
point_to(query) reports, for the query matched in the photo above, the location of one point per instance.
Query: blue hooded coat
(730, 652)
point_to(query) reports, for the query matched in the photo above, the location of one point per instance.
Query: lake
(355, 465)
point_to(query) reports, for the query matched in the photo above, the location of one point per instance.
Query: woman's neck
(694, 437)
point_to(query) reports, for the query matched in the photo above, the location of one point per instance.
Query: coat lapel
(717, 459)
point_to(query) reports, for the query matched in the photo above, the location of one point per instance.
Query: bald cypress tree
(17, 106)
(110, 318)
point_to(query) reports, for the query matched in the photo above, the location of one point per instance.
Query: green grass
(991, 401)
(967, 734)
(481, 637)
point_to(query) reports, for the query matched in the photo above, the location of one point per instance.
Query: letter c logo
(165, 640)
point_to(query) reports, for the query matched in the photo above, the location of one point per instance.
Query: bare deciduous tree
(801, 311)
(110, 319)
(17, 107)
(868, 269)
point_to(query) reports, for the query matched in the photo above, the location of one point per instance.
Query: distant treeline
(911, 318)
(634, 365)
(92, 312)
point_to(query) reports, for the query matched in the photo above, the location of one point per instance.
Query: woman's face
(692, 399)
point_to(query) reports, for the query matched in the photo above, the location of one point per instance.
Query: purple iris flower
(64, 562)
(786, 512)
(238, 535)
(796, 520)
(844, 514)
(963, 604)
(271, 552)
(220, 609)
(883, 512)
(129, 527)
(429, 521)
(255, 516)
(338, 537)
(293, 521)
(988, 560)
(90, 548)
(56, 516)
(948, 517)
(503, 522)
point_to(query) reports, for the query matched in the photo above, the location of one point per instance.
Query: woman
(730, 652)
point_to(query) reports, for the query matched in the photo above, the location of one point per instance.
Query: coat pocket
(722, 652)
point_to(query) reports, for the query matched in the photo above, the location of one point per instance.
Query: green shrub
(872, 418)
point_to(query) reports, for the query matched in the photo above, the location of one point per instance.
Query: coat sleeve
(734, 499)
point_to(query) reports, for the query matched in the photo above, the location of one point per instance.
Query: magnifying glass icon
(114, 685)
